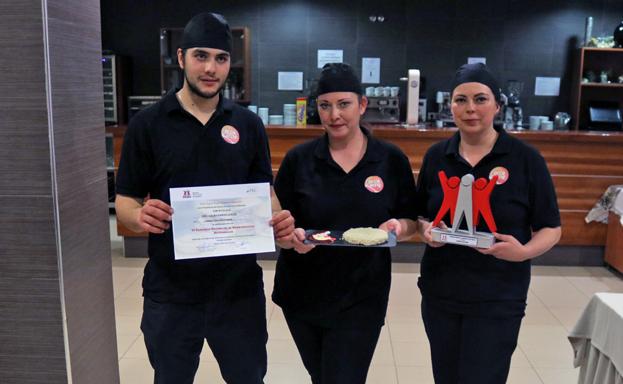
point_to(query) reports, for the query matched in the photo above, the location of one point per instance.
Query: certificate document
(221, 220)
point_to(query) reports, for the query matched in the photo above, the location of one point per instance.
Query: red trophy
(465, 199)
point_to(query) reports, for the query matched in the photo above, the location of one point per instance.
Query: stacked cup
(541, 122)
(289, 114)
(262, 112)
(275, 119)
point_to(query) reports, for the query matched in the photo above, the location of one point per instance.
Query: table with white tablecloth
(597, 340)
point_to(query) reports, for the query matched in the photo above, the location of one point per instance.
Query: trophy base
(462, 237)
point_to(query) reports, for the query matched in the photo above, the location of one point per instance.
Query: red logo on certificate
(501, 173)
(374, 184)
(230, 134)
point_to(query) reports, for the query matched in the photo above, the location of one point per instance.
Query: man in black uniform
(194, 137)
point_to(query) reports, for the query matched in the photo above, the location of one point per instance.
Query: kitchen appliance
(413, 96)
(604, 116)
(115, 74)
(382, 110)
(561, 121)
(514, 112)
(136, 103)
(422, 110)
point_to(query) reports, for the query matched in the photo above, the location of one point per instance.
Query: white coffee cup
(547, 125)
(369, 91)
(252, 108)
(378, 91)
(394, 91)
(535, 122)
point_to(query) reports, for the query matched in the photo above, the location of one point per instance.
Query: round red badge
(374, 184)
(502, 174)
(230, 134)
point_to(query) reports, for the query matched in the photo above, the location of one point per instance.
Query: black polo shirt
(329, 280)
(461, 277)
(166, 147)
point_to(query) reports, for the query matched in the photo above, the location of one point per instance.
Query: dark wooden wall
(56, 298)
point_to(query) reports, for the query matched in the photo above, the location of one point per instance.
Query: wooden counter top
(583, 164)
(392, 130)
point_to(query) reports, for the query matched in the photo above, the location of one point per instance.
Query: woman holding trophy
(473, 299)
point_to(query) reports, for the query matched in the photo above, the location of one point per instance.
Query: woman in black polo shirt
(473, 299)
(334, 298)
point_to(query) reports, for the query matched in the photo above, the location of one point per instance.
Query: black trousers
(469, 349)
(334, 354)
(236, 333)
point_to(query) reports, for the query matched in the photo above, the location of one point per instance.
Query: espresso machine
(382, 109)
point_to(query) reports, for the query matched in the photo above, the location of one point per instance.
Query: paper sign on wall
(547, 86)
(329, 56)
(290, 81)
(473, 60)
(371, 70)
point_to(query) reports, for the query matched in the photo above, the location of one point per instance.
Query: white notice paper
(221, 220)
(547, 86)
(329, 56)
(473, 60)
(370, 70)
(290, 81)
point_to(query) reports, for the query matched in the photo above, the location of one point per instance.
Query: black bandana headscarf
(476, 73)
(338, 77)
(207, 30)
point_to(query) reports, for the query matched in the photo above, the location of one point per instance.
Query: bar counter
(582, 164)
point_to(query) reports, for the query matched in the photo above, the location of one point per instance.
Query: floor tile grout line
(129, 347)
(391, 347)
(531, 364)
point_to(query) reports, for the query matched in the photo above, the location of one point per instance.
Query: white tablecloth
(597, 340)
(612, 200)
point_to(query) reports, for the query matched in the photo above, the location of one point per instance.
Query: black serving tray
(339, 242)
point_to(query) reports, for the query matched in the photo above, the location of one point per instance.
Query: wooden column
(56, 297)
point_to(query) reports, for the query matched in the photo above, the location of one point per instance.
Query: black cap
(338, 77)
(476, 73)
(208, 30)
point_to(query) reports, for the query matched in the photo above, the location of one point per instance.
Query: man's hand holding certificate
(221, 220)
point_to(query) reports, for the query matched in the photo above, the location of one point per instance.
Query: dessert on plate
(365, 236)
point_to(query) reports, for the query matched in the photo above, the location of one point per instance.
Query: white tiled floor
(544, 356)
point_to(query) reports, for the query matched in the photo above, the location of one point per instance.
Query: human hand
(297, 242)
(392, 225)
(283, 226)
(506, 248)
(428, 235)
(155, 216)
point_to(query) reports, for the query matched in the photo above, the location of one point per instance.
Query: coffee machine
(382, 109)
